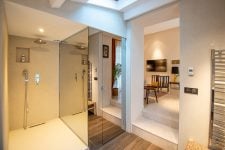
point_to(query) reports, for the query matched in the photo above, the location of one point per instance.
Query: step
(116, 103)
(156, 133)
(163, 118)
(112, 114)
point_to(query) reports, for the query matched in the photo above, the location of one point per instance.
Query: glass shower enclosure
(73, 77)
(88, 104)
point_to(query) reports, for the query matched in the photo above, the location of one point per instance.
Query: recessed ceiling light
(41, 30)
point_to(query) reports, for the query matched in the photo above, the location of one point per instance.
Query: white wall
(94, 45)
(93, 16)
(135, 58)
(202, 28)
(43, 99)
(106, 70)
(162, 45)
(3, 79)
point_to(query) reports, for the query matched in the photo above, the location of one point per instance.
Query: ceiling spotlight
(41, 30)
(39, 41)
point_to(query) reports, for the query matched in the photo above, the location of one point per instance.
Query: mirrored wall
(92, 86)
(106, 87)
(73, 79)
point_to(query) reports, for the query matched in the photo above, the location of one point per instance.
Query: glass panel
(106, 57)
(94, 103)
(112, 87)
(74, 83)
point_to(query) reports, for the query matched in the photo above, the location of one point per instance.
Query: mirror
(73, 71)
(106, 84)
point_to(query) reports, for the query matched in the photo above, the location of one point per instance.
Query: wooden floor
(100, 131)
(127, 141)
(104, 135)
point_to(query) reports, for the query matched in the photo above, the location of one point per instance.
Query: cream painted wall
(4, 125)
(202, 28)
(43, 99)
(162, 45)
(72, 100)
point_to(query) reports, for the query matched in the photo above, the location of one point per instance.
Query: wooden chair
(148, 89)
(155, 82)
(164, 82)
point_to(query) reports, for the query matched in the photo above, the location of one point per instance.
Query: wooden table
(175, 83)
(149, 88)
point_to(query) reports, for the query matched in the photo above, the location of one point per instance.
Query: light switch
(190, 71)
(191, 90)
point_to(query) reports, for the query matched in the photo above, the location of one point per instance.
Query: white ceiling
(174, 23)
(129, 8)
(24, 21)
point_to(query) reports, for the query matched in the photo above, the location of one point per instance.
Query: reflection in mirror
(73, 69)
(106, 87)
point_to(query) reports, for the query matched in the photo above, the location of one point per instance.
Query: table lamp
(175, 71)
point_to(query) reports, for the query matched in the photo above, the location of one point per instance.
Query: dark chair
(148, 89)
(164, 82)
(155, 82)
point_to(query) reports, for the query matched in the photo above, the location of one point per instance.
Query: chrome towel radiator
(217, 122)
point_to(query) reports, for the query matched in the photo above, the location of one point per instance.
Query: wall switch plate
(191, 90)
(190, 71)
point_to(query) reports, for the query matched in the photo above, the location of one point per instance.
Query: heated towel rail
(217, 122)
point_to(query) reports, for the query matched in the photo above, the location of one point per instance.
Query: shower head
(81, 46)
(39, 41)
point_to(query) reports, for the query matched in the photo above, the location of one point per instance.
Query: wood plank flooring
(127, 141)
(113, 137)
(100, 131)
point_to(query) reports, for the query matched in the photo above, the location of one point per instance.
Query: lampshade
(175, 70)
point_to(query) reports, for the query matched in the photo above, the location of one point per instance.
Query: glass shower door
(73, 83)
(113, 87)
(108, 120)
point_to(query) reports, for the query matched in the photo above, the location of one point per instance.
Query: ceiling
(26, 22)
(129, 8)
(174, 23)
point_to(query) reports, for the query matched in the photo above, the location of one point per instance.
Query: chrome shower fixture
(26, 108)
(40, 41)
(25, 74)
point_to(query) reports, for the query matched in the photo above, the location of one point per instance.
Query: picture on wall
(159, 65)
(105, 51)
